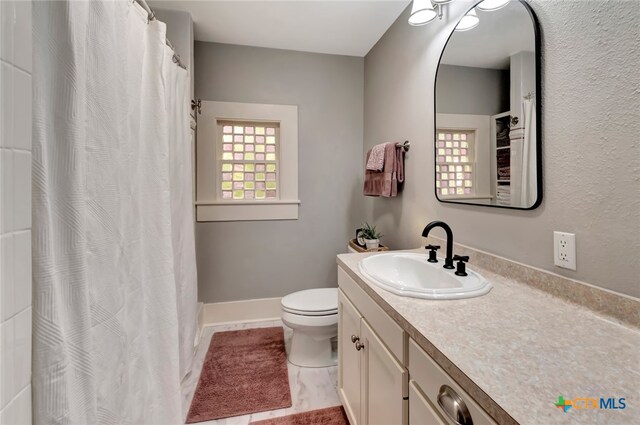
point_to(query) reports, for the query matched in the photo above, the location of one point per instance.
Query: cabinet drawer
(388, 330)
(430, 377)
(421, 412)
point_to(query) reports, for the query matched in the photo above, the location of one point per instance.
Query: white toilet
(313, 316)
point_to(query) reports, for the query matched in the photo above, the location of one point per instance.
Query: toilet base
(307, 351)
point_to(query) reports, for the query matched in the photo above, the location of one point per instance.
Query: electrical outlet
(564, 250)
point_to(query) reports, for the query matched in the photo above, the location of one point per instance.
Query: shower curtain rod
(152, 16)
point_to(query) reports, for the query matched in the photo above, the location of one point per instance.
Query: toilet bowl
(313, 316)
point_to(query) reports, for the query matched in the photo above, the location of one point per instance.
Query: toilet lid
(312, 302)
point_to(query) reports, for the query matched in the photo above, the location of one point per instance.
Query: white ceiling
(499, 34)
(343, 27)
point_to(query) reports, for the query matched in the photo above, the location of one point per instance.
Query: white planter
(372, 243)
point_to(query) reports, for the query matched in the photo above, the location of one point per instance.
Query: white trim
(482, 149)
(274, 202)
(244, 212)
(257, 310)
(209, 207)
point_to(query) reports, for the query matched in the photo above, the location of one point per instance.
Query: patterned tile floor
(311, 388)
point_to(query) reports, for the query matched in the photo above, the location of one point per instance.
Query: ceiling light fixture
(422, 12)
(489, 5)
(468, 21)
(425, 11)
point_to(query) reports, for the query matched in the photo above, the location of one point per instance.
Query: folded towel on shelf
(503, 153)
(375, 162)
(503, 143)
(503, 192)
(385, 182)
(516, 133)
(504, 172)
(503, 158)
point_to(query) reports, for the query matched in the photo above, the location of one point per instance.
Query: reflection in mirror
(487, 139)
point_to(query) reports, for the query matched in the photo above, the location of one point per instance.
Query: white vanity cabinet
(372, 380)
(386, 378)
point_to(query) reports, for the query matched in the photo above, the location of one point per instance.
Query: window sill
(247, 210)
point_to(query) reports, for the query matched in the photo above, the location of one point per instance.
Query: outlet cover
(564, 250)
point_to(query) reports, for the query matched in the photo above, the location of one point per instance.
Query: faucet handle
(461, 267)
(432, 253)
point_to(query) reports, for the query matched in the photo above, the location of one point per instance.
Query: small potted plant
(371, 236)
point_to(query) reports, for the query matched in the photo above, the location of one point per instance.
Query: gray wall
(259, 259)
(180, 34)
(476, 91)
(591, 153)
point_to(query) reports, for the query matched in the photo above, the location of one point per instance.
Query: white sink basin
(411, 275)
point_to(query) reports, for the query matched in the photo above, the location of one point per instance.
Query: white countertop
(524, 347)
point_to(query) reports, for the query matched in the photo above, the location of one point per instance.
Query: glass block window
(455, 162)
(248, 160)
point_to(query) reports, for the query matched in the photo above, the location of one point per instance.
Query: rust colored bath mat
(244, 372)
(329, 416)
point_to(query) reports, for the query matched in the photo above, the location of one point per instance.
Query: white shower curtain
(528, 193)
(106, 335)
(182, 228)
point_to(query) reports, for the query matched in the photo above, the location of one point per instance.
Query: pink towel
(385, 182)
(375, 162)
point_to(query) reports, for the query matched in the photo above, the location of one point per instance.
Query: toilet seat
(312, 302)
(310, 313)
(292, 319)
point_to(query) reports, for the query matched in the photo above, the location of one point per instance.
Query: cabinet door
(420, 410)
(384, 384)
(349, 359)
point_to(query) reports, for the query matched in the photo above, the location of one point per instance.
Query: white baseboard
(241, 311)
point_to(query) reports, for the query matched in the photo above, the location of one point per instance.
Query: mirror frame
(538, 56)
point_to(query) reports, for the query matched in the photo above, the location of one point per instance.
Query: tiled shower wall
(15, 211)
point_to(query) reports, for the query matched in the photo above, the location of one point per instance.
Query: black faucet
(448, 261)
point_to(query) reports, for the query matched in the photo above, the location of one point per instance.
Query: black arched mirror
(487, 124)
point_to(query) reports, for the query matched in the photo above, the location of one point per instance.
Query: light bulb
(489, 5)
(468, 21)
(422, 12)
